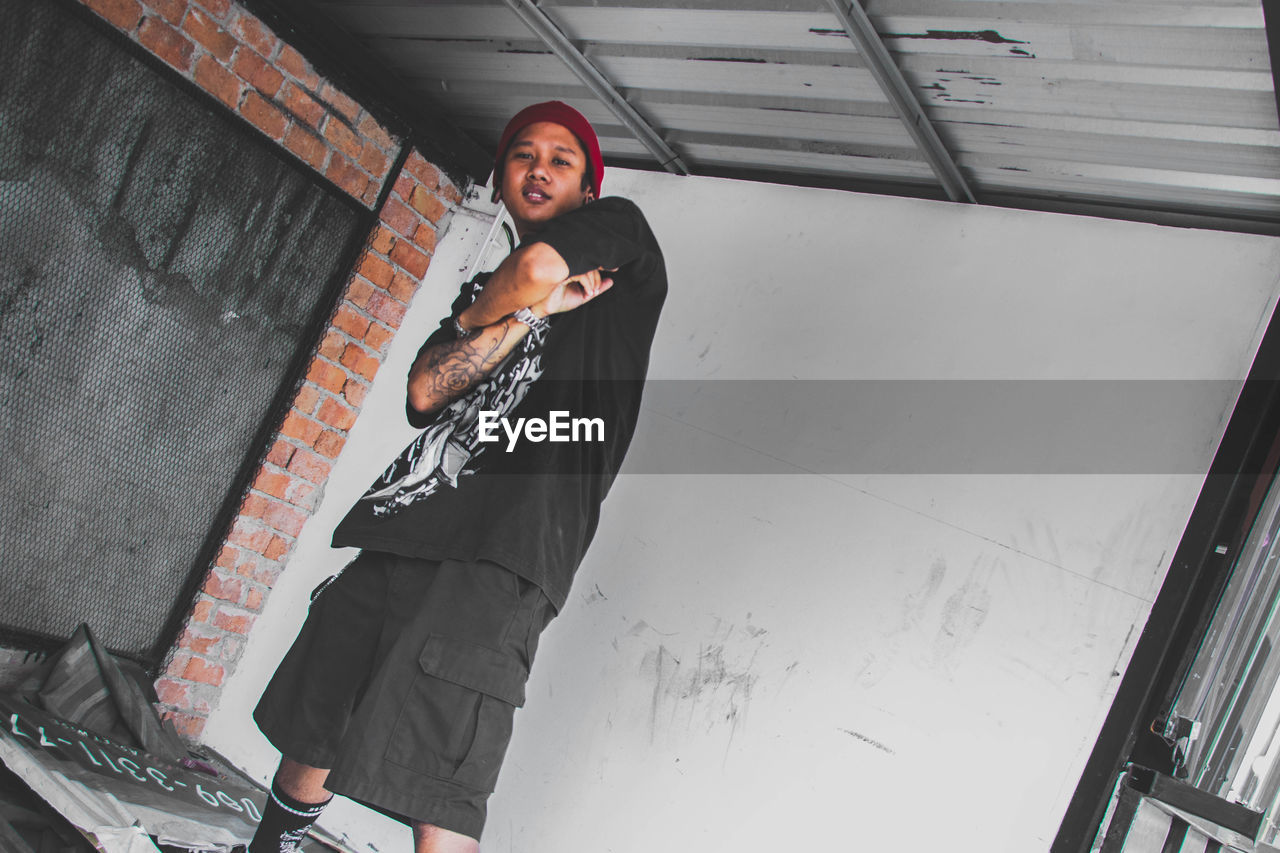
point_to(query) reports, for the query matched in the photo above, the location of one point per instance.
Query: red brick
(425, 237)
(124, 14)
(232, 619)
(203, 672)
(404, 186)
(330, 444)
(301, 493)
(346, 107)
(218, 81)
(403, 286)
(206, 31)
(383, 239)
(350, 322)
(201, 612)
(371, 193)
(399, 217)
(226, 557)
(258, 73)
(282, 451)
(167, 43)
(171, 10)
(355, 390)
(347, 176)
(342, 137)
(306, 145)
(264, 115)
(451, 193)
(305, 401)
(277, 549)
(376, 270)
(217, 8)
(310, 466)
(284, 518)
(331, 411)
(377, 338)
(255, 599)
(359, 291)
(292, 63)
(177, 664)
(261, 571)
(387, 310)
(302, 428)
(410, 259)
(375, 133)
(355, 359)
(255, 34)
(221, 587)
(249, 535)
(427, 174)
(328, 376)
(186, 725)
(198, 642)
(332, 345)
(272, 483)
(373, 161)
(303, 107)
(253, 506)
(427, 204)
(171, 692)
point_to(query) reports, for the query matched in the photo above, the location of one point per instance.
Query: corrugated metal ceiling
(1116, 108)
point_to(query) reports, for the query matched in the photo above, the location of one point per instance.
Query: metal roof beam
(861, 31)
(552, 36)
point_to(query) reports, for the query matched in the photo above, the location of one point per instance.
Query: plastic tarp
(83, 736)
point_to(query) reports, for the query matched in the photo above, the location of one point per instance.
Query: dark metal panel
(154, 245)
(1271, 11)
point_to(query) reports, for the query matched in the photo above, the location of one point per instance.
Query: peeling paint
(989, 36)
(753, 60)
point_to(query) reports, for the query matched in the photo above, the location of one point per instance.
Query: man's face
(542, 175)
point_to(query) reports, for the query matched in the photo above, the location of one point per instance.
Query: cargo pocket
(456, 721)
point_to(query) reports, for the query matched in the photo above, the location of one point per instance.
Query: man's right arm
(448, 370)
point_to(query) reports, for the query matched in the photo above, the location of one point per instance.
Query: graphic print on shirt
(442, 452)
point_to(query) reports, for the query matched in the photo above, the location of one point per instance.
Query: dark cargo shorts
(404, 680)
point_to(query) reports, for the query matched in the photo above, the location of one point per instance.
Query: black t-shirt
(531, 505)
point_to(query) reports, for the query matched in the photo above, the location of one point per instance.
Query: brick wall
(233, 56)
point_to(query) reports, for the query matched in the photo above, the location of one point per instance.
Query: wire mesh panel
(159, 269)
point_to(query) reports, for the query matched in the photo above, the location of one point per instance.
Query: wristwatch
(458, 329)
(532, 320)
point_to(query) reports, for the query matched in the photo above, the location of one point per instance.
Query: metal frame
(895, 87)
(555, 39)
(1233, 821)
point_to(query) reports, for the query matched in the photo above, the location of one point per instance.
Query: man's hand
(574, 292)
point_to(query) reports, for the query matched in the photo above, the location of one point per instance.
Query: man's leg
(433, 839)
(297, 797)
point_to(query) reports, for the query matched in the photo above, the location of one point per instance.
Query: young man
(401, 687)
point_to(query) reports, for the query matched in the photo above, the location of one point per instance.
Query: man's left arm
(572, 255)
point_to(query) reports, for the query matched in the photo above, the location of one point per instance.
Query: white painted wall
(839, 655)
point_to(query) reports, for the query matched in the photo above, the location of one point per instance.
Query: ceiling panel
(1151, 106)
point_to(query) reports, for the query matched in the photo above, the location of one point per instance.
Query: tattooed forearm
(451, 369)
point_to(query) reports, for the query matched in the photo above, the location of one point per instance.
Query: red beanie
(567, 117)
